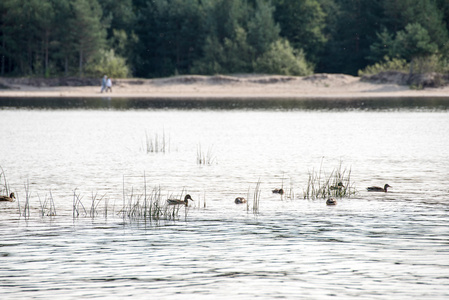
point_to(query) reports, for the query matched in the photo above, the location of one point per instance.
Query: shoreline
(318, 86)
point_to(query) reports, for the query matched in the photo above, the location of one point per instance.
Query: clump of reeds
(205, 158)
(157, 143)
(5, 186)
(78, 206)
(149, 206)
(336, 184)
(47, 206)
(93, 211)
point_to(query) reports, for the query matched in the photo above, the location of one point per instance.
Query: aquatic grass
(157, 143)
(78, 206)
(150, 206)
(256, 198)
(93, 211)
(47, 207)
(26, 209)
(205, 158)
(336, 184)
(5, 182)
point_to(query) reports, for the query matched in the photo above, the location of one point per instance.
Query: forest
(160, 38)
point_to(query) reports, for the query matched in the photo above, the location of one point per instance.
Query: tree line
(158, 38)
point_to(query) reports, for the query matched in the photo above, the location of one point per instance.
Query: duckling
(278, 191)
(378, 188)
(6, 198)
(239, 200)
(331, 201)
(179, 202)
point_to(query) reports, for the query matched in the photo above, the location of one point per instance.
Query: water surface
(372, 246)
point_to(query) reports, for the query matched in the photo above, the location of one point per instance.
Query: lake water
(72, 152)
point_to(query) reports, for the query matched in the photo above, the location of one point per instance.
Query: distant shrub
(388, 64)
(110, 64)
(282, 59)
(432, 63)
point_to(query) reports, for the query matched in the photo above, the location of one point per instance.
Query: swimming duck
(339, 186)
(378, 188)
(331, 201)
(6, 198)
(278, 191)
(240, 200)
(179, 202)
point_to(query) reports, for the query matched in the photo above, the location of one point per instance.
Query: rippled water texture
(391, 245)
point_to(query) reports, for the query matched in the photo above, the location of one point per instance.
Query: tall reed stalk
(256, 198)
(156, 143)
(205, 158)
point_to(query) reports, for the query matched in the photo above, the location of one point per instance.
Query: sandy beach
(249, 86)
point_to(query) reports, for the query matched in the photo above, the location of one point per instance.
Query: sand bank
(250, 86)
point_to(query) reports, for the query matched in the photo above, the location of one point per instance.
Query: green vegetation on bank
(158, 38)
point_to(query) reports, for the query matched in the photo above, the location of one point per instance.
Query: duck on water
(331, 201)
(278, 191)
(378, 188)
(8, 199)
(239, 200)
(179, 202)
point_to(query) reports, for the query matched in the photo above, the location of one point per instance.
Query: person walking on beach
(103, 83)
(109, 85)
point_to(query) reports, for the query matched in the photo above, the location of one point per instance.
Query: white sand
(199, 87)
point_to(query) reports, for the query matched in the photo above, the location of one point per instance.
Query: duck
(179, 202)
(278, 191)
(339, 186)
(239, 200)
(6, 198)
(378, 188)
(331, 201)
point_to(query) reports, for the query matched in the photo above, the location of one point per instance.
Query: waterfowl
(331, 201)
(378, 188)
(9, 199)
(240, 200)
(278, 191)
(179, 202)
(339, 186)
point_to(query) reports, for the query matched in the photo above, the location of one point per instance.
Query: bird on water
(179, 202)
(8, 199)
(378, 188)
(278, 191)
(239, 200)
(331, 201)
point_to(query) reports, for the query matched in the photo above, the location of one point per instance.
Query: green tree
(262, 29)
(281, 58)
(355, 28)
(89, 34)
(170, 36)
(303, 24)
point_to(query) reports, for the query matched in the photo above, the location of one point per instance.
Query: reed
(5, 182)
(78, 206)
(157, 143)
(93, 211)
(149, 205)
(256, 198)
(205, 158)
(47, 207)
(336, 184)
(26, 209)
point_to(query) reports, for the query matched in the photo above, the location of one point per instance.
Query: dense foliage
(155, 38)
